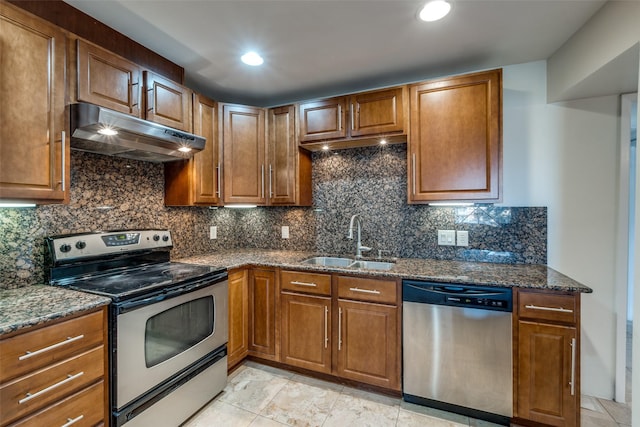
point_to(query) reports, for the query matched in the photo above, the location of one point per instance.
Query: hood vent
(99, 130)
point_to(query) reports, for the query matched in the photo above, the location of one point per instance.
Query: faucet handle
(365, 248)
(381, 251)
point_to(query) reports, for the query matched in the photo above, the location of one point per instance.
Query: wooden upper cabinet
(289, 167)
(197, 181)
(34, 154)
(455, 146)
(107, 79)
(243, 140)
(323, 120)
(378, 112)
(356, 119)
(167, 102)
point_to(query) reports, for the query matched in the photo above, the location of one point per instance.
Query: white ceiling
(316, 48)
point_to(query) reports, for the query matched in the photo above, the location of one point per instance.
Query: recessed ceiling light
(435, 10)
(252, 58)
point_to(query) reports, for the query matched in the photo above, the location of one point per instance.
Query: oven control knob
(156, 237)
(65, 248)
(81, 244)
(165, 238)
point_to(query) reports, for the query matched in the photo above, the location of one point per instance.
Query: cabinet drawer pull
(311, 285)
(573, 367)
(559, 309)
(30, 396)
(69, 340)
(71, 421)
(365, 291)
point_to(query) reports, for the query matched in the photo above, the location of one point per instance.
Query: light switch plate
(446, 237)
(213, 232)
(285, 231)
(462, 238)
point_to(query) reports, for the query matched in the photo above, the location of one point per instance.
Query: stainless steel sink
(328, 261)
(372, 265)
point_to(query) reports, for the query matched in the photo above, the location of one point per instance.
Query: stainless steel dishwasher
(457, 348)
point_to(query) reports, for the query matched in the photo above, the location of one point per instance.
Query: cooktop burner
(125, 282)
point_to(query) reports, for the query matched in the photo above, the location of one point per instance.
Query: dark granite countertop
(33, 305)
(471, 273)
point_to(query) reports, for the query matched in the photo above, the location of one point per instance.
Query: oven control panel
(89, 245)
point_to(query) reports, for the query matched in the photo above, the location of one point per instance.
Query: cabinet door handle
(311, 285)
(63, 153)
(69, 340)
(351, 110)
(71, 421)
(134, 93)
(559, 309)
(326, 326)
(573, 367)
(30, 396)
(270, 181)
(413, 171)
(262, 173)
(365, 291)
(219, 175)
(339, 328)
(150, 99)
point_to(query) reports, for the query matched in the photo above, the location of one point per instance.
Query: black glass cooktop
(123, 283)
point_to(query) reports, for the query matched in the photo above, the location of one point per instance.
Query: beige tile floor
(262, 396)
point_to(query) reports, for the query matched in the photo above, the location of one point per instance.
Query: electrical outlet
(447, 237)
(213, 232)
(285, 231)
(462, 238)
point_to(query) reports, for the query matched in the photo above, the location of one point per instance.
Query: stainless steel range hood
(99, 130)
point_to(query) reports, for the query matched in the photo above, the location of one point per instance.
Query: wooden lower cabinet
(547, 358)
(367, 347)
(262, 314)
(55, 374)
(305, 331)
(238, 345)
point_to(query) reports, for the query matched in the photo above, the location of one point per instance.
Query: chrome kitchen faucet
(359, 248)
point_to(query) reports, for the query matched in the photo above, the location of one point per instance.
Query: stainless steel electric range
(168, 328)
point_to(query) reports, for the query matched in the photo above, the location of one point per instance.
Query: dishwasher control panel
(481, 297)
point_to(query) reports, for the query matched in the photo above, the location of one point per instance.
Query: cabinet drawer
(547, 306)
(310, 283)
(46, 386)
(82, 409)
(33, 350)
(366, 289)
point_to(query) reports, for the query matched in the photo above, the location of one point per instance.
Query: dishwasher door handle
(455, 294)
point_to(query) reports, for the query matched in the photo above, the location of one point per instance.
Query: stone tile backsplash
(109, 193)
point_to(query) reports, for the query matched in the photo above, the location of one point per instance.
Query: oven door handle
(126, 306)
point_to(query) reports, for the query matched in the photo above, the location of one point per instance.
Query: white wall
(564, 156)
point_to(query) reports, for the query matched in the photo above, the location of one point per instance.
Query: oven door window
(177, 329)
